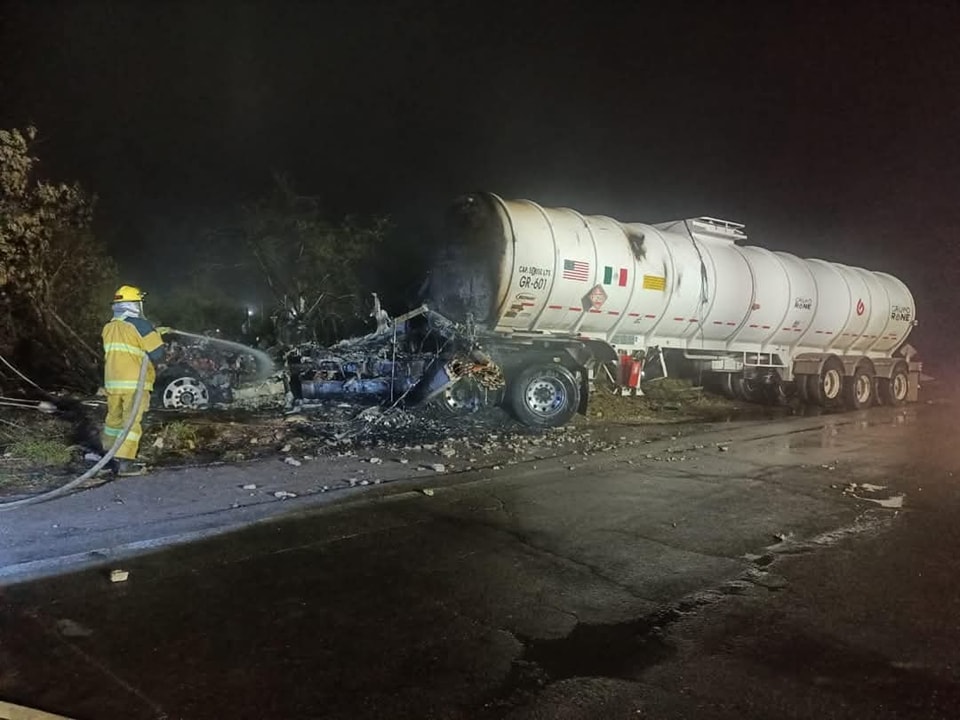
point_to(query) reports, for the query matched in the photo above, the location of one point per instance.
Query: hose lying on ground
(108, 456)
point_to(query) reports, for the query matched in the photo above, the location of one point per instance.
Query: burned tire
(826, 389)
(893, 390)
(464, 397)
(858, 390)
(544, 395)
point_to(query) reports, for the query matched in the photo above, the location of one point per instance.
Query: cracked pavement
(629, 586)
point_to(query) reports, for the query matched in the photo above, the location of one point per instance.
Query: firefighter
(126, 339)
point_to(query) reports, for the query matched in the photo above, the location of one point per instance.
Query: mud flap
(584, 392)
(914, 369)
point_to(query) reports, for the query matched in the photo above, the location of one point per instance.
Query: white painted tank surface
(518, 267)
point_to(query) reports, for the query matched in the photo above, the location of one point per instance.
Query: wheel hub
(831, 384)
(899, 386)
(544, 396)
(186, 393)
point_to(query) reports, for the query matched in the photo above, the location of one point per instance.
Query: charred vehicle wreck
(423, 356)
(199, 371)
(414, 358)
(407, 361)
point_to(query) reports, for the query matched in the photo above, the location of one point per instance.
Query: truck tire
(893, 390)
(858, 390)
(749, 389)
(776, 392)
(544, 395)
(826, 388)
(727, 382)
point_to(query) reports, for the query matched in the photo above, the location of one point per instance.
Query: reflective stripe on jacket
(124, 348)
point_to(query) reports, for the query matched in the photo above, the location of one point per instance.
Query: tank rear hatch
(471, 272)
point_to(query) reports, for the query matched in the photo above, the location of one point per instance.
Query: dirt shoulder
(39, 452)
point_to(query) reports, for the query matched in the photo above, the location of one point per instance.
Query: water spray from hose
(265, 364)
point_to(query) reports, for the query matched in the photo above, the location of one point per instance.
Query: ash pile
(438, 440)
(346, 425)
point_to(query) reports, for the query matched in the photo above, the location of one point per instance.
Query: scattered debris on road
(425, 436)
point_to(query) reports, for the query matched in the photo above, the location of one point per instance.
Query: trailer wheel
(749, 389)
(544, 396)
(776, 392)
(858, 390)
(727, 385)
(826, 388)
(893, 390)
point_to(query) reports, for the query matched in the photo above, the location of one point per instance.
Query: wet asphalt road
(747, 582)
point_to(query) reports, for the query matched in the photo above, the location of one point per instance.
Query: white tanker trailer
(559, 299)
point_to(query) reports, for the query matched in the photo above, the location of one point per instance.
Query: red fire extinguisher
(630, 368)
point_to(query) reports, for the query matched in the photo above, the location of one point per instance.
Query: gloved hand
(164, 330)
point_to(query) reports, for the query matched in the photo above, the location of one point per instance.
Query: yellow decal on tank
(654, 282)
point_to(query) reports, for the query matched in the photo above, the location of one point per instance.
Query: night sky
(830, 129)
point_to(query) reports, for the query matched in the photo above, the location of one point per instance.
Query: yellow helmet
(128, 293)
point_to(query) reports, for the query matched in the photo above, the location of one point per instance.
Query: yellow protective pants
(119, 408)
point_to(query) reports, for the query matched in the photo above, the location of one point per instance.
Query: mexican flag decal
(612, 275)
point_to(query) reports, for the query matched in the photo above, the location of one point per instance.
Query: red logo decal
(860, 307)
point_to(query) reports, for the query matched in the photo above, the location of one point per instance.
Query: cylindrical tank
(518, 267)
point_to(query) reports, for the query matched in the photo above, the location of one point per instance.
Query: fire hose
(102, 462)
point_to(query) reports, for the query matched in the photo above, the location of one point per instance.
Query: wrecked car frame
(408, 361)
